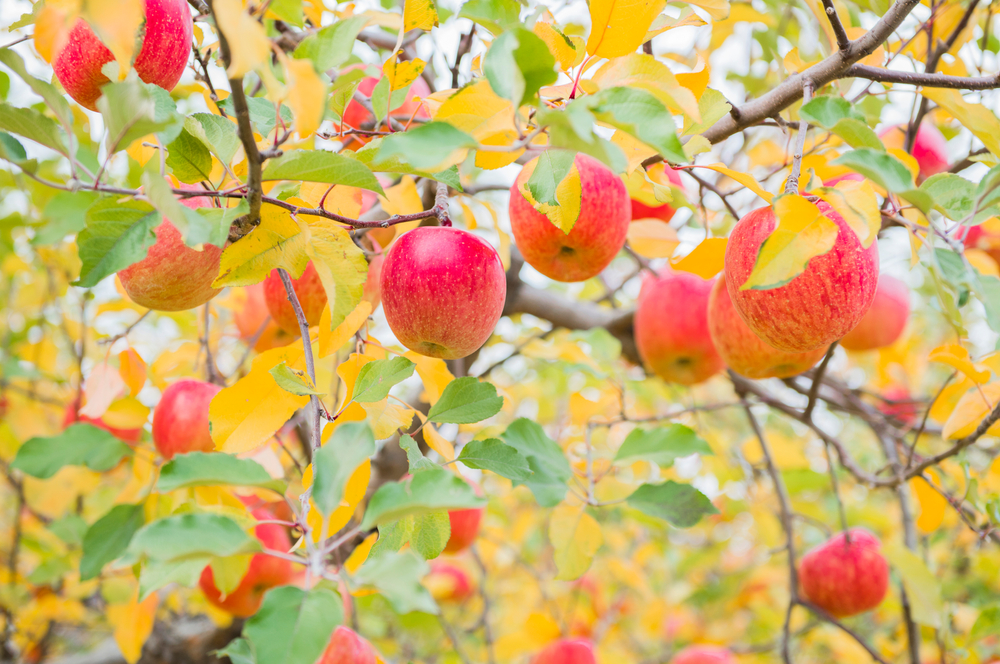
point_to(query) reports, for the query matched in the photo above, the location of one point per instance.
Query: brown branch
(817, 380)
(881, 75)
(820, 613)
(843, 41)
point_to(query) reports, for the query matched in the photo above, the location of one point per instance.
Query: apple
(250, 314)
(357, 115)
(265, 572)
(596, 238)
(983, 237)
(383, 236)
(72, 414)
(308, 289)
(885, 320)
(180, 421)
(658, 173)
(449, 583)
(853, 177)
(373, 282)
(166, 46)
(671, 328)
(464, 525)
(443, 290)
(899, 404)
(930, 147)
(818, 306)
(567, 651)
(843, 578)
(347, 647)
(704, 655)
(742, 350)
(173, 276)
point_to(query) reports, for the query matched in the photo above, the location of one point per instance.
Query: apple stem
(792, 185)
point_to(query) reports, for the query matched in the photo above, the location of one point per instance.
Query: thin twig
(818, 380)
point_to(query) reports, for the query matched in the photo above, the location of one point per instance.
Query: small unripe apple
(671, 328)
(357, 115)
(166, 46)
(704, 655)
(930, 147)
(130, 436)
(443, 290)
(843, 578)
(180, 421)
(597, 236)
(449, 583)
(885, 320)
(742, 350)
(308, 289)
(818, 306)
(347, 647)
(665, 212)
(567, 651)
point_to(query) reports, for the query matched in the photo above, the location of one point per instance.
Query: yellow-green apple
(347, 647)
(173, 276)
(443, 290)
(845, 578)
(886, 318)
(180, 421)
(671, 328)
(464, 525)
(818, 306)
(597, 236)
(308, 289)
(251, 312)
(162, 57)
(265, 572)
(567, 651)
(661, 175)
(72, 414)
(704, 655)
(447, 582)
(356, 115)
(742, 350)
(930, 147)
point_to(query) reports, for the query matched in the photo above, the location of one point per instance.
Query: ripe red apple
(347, 647)
(662, 175)
(265, 572)
(567, 651)
(930, 147)
(130, 436)
(173, 276)
(356, 115)
(984, 238)
(373, 282)
(443, 290)
(464, 525)
(899, 404)
(821, 304)
(596, 238)
(166, 45)
(671, 328)
(308, 288)
(742, 350)
(449, 583)
(180, 421)
(843, 578)
(252, 313)
(886, 318)
(704, 655)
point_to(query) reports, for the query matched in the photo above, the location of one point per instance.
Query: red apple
(173, 276)
(885, 320)
(671, 328)
(252, 313)
(854, 177)
(166, 45)
(704, 655)
(355, 115)
(130, 436)
(383, 236)
(265, 572)
(658, 173)
(449, 583)
(347, 647)
(180, 421)
(984, 238)
(742, 350)
(567, 651)
(899, 404)
(373, 282)
(308, 288)
(596, 238)
(443, 290)
(464, 528)
(930, 147)
(817, 307)
(843, 578)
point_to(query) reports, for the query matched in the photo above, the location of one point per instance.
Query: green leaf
(55, 100)
(369, 153)
(130, 112)
(293, 626)
(397, 578)
(64, 214)
(922, 587)
(214, 468)
(109, 538)
(216, 133)
(428, 146)
(215, 222)
(953, 195)
(431, 533)
(33, 125)
(331, 47)
(549, 466)
(498, 457)
(238, 651)
(392, 537)
(118, 234)
(551, 168)
(518, 64)
(680, 505)
(494, 15)
(857, 134)
(342, 90)
(987, 624)
(878, 166)
(661, 445)
(293, 381)
(189, 159)
(188, 222)
(70, 529)
(12, 150)
(376, 378)
(826, 111)
(335, 462)
(322, 166)
(639, 113)
(262, 113)
(712, 106)
(573, 130)
(414, 456)
(156, 574)
(380, 99)
(186, 536)
(464, 401)
(289, 11)
(78, 445)
(427, 491)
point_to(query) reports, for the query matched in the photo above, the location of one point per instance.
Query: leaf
(387, 417)
(331, 46)
(953, 195)
(248, 43)
(214, 133)
(214, 468)
(856, 203)
(118, 234)
(55, 100)
(278, 241)
(518, 64)
(922, 587)
(466, 400)
(932, 505)
(828, 110)
(306, 95)
(397, 578)
(642, 71)
(322, 166)
(351, 444)
(376, 378)
(552, 167)
(878, 166)
(706, 260)
(157, 574)
(549, 466)
(78, 445)
(116, 23)
(618, 27)
(432, 146)
(970, 410)
(680, 505)
(434, 373)
(238, 651)
(575, 537)
(494, 15)
(652, 238)
(130, 112)
(426, 491)
(414, 457)
(186, 536)
(330, 341)
(401, 74)
(392, 537)
(369, 153)
(661, 445)
(640, 114)
(262, 112)
(109, 537)
(31, 124)
(744, 179)
(803, 232)
(133, 623)
(567, 51)
(566, 193)
(498, 457)
(987, 624)
(293, 625)
(213, 228)
(431, 533)
(957, 357)
(186, 220)
(293, 381)
(978, 119)
(712, 107)
(419, 15)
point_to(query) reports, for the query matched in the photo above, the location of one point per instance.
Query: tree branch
(881, 75)
(843, 41)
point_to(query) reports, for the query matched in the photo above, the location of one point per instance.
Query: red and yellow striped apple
(347, 647)
(845, 578)
(885, 320)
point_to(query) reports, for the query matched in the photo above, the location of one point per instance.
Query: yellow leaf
(652, 238)
(132, 369)
(635, 151)
(576, 537)
(945, 403)
(102, 387)
(618, 27)
(803, 232)
(419, 14)
(744, 179)
(306, 94)
(332, 341)
(567, 51)
(245, 415)
(53, 25)
(402, 198)
(787, 452)
(433, 372)
(983, 262)
(717, 9)
(277, 242)
(354, 493)
(141, 151)
(227, 572)
(977, 118)
(340, 264)
(401, 74)
(116, 23)
(348, 371)
(478, 111)
(971, 409)
(339, 199)
(706, 260)
(491, 161)
(360, 554)
(639, 70)
(957, 357)
(438, 443)
(569, 194)
(133, 624)
(386, 416)
(127, 413)
(932, 505)
(856, 203)
(249, 46)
